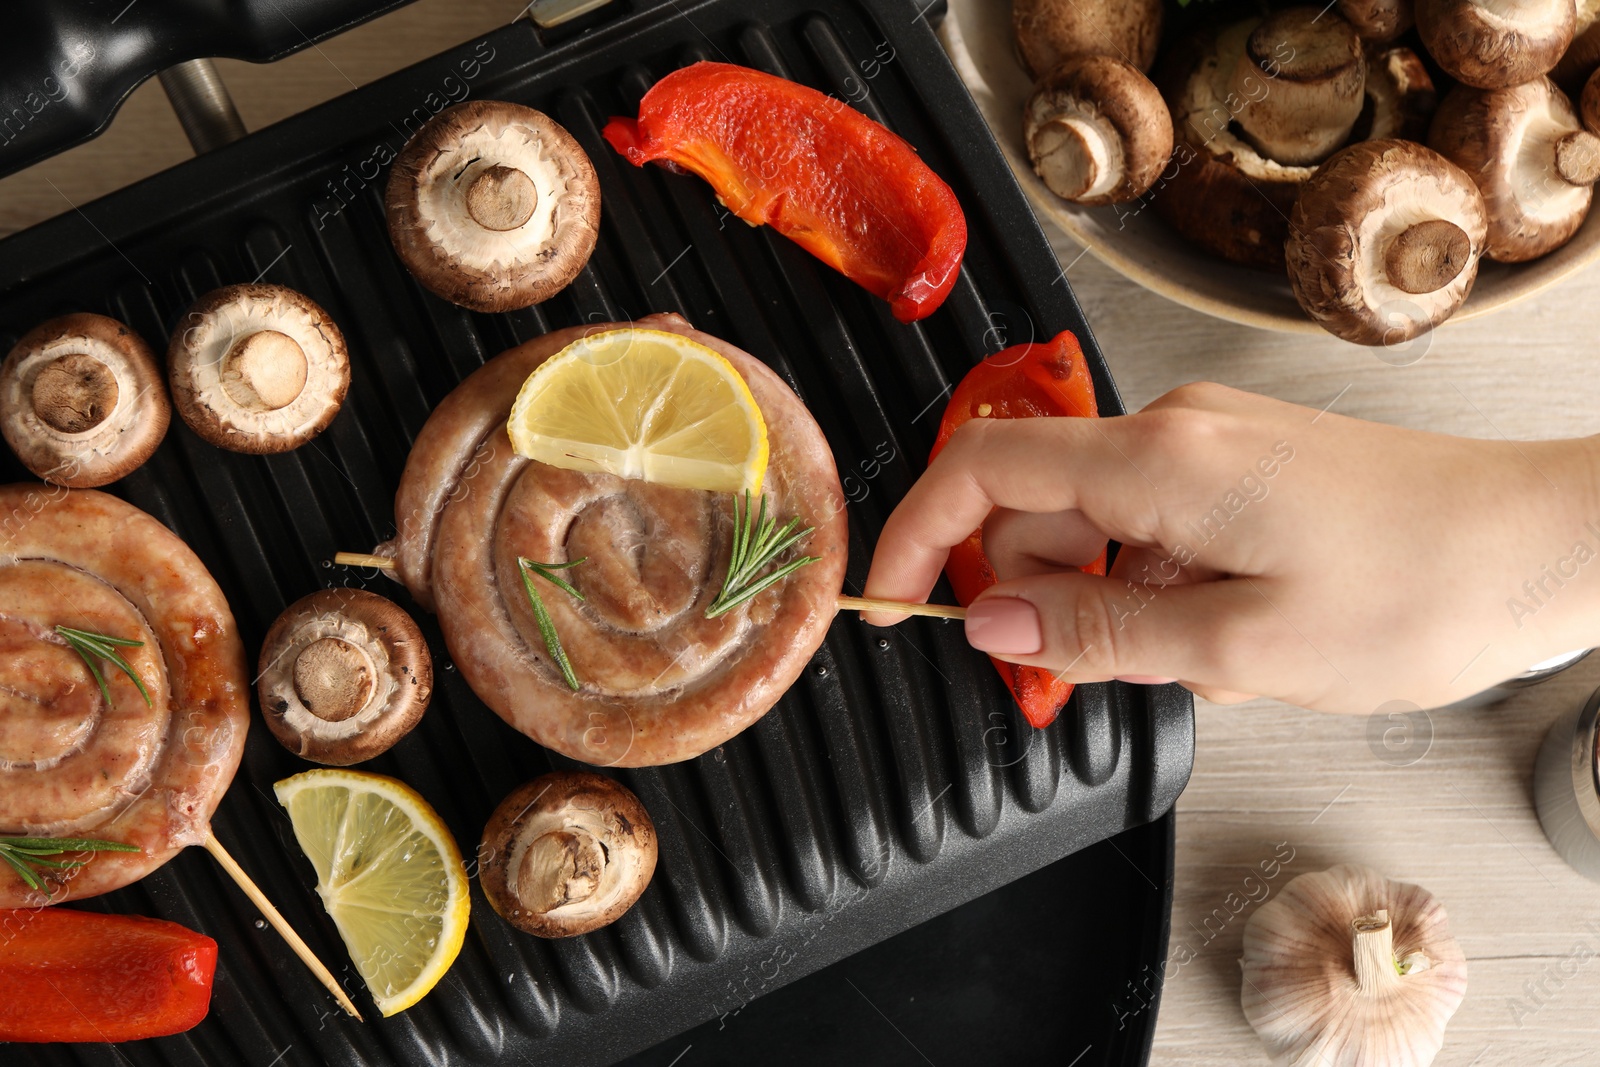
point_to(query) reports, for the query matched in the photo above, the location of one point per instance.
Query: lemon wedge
(389, 874)
(643, 404)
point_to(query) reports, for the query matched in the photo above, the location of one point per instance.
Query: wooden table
(1267, 777)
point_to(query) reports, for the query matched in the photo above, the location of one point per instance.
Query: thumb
(1091, 628)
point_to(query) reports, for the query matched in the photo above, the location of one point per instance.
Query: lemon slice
(389, 874)
(643, 404)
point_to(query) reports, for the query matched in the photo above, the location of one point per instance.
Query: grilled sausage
(73, 764)
(659, 681)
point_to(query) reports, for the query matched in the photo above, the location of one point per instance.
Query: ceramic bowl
(977, 34)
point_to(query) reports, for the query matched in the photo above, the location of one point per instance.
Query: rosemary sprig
(93, 647)
(755, 545)
(547, 627)
(25, 853)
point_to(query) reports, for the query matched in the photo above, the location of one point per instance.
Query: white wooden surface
(1268, 778)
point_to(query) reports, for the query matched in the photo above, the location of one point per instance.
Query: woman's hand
(1268, 549)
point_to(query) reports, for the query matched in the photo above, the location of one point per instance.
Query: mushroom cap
(566, 853)
(493, 206)
(257, 368)
(1375, 251)
(1491, 44)
(1378, 21)
(1048, 31)
(1297, 86)
(1581, 58)
(1098, 131)
(1220, 193)
(343, 675)
(1507, 140)
(82, 401)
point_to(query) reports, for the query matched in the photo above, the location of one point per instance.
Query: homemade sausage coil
(80, 761)
(660, 681)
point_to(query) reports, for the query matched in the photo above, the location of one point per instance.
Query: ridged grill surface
(892, 782)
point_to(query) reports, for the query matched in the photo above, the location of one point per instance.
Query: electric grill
(894, 782)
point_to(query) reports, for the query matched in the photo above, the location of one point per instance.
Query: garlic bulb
(1346, 968)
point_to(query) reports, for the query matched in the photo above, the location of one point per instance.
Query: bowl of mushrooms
(1371, 168)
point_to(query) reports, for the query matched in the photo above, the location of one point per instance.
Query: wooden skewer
(280, 924)
(362, 559)
(846, 603)
(932, 611)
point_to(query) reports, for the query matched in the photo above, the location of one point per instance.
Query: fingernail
(1004, 624)
(1145, 679)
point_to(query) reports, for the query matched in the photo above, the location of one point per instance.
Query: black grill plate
(894, 781)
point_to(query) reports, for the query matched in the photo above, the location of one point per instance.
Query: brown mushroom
(1049, 31)
(566, 853)
(1531, 158)
(257, 368)
(1589, 104)
(1582, 56)
(81, 401)
(1400, 98)
(1493, 44)
(344, 674)
(1220, 192)
(1384, 241)
(493, 206)
(1098, 131)
(1378, 21)
(1301, 79)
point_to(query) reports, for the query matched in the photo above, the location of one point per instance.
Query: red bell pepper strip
(1024, 381)
(80, 976)
(813, 168)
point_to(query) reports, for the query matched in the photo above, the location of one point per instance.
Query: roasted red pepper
(1024, 381)
(80, 976)
(813, 168)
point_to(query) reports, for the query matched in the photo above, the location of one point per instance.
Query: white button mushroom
(1384, 242)
(1492, 44)
(257, 368)
(344, 674)
(1049, 31)
(493, 206)
(82, 401)
(567, 853)
(1530, 156)
(1098, 131)
(1346, 968)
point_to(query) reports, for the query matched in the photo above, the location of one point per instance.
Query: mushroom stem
(1428, 256)
(1578, 157)
(1074, 157)
(501, 198)
(333, 678)
(559, 868)
(1376, 970)
(75, 393)
(264, 369)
